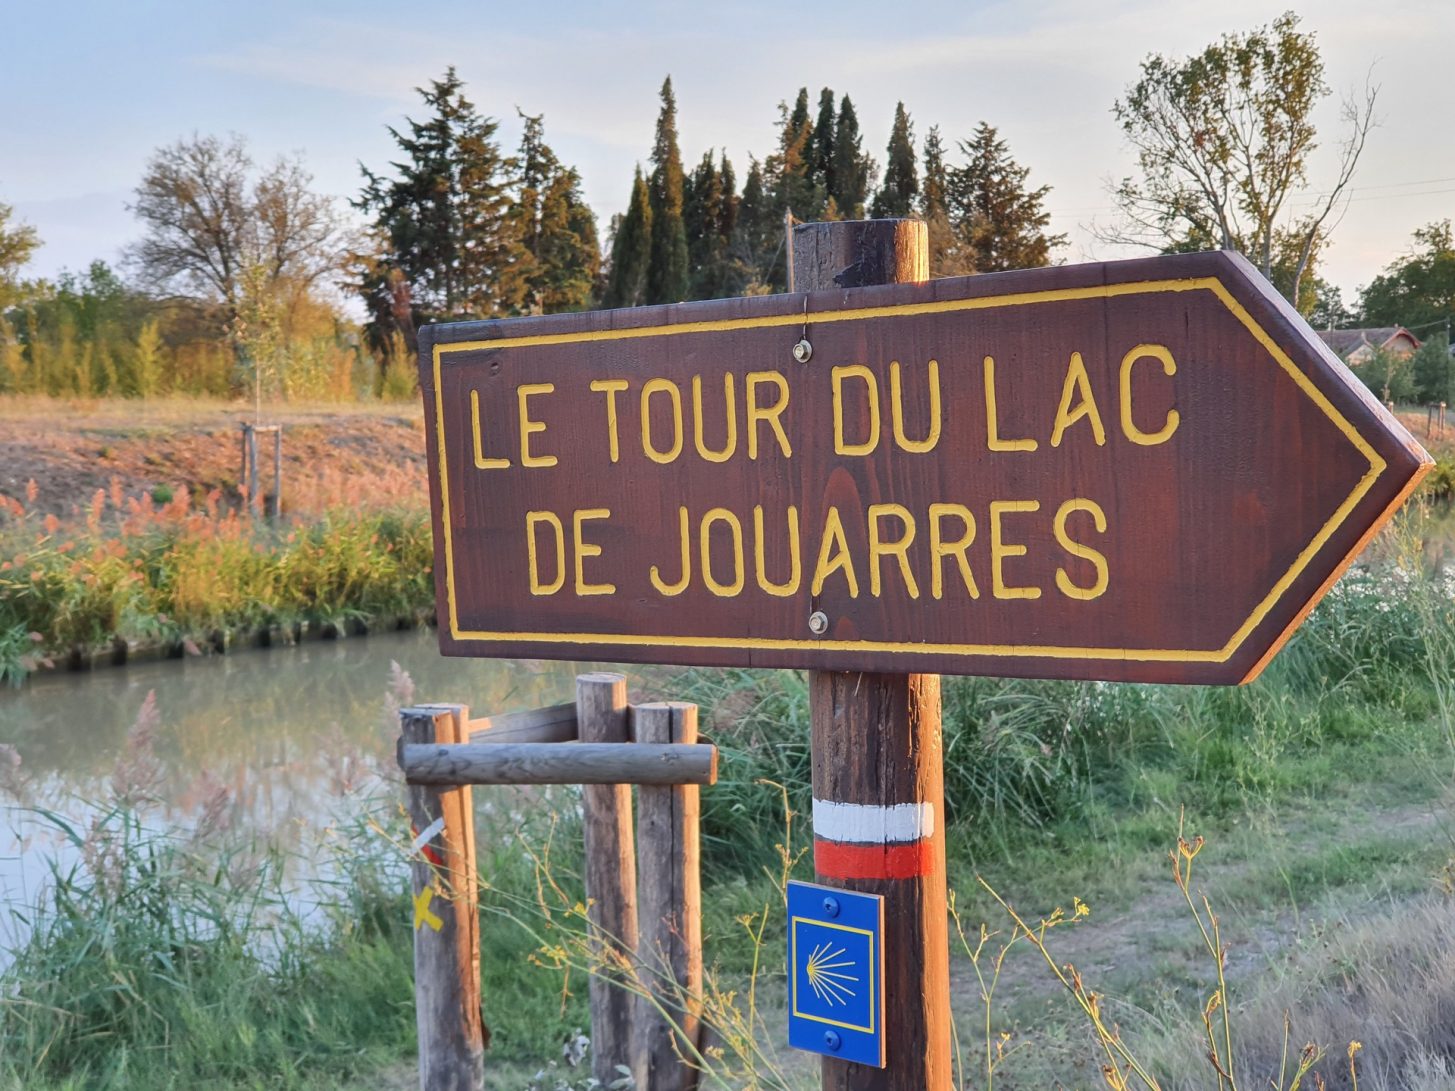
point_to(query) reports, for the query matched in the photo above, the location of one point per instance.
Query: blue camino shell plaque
(836, 973)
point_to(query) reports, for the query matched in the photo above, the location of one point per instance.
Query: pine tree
(447, 246)
(667, 274)
(901, 182)
(948, 255)
(852, 169)
(555, 226)
(1002, 222)
(631, 250)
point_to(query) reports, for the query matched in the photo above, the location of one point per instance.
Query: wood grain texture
(559, 763)
(669, 879)
(556, 723)
(876, 740)
(611, 881)
(451, 1028)
(1260, 468)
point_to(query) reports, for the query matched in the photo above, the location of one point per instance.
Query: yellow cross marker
(422, 912)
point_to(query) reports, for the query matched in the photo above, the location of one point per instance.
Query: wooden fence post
(671, 910)
(451, 1029)
(611, 881)
(878, 768)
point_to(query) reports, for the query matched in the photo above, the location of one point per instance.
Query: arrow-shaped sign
(1145, 470)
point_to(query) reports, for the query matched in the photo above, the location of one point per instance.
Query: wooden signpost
(1139, 471)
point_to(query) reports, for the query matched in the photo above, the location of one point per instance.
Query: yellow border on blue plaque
(793, 964)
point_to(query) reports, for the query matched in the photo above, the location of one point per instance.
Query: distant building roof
(1346, 342)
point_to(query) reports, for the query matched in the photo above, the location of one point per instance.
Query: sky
(92, 88)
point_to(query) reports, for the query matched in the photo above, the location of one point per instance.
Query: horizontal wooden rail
(552, 763)
(554, 724)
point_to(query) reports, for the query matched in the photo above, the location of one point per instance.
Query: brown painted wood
(1270, 464)
(452, 1033)
(611, 881)
(876, 741)
(556, 723)
(557, 763)
(669, 879)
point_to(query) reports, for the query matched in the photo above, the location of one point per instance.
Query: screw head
(818, 623)
(831, 1039)
(803, 351)
(830, 906)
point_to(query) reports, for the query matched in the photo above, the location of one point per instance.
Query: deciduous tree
(1417, 289)
(1223, 141)
(211, 219)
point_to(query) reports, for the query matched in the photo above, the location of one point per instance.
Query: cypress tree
(667, 272)
(851, 167)
(790, 169)
(555, 227)
(756, 226)
(948, 254)
(710, 213)
(821, 160)
(631, 250)
(1002, 222)
(901, 181)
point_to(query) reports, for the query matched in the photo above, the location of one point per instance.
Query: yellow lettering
(992, 418)
(730, 443)
(586, 549)
(528, 426)
(833, 535)
(481, 462)
(1169, 368)
(879, 548)
(855, 371)
(896, 411)
(656, 386)
(610, 387)
(1077, 381)
(1077, 549)
(940, 548)
(769, 413)
(1000, 549)
(681, 585)
(795, 558)
(722, 590)
(532, 520)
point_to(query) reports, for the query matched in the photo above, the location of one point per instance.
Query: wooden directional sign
(1145, 470)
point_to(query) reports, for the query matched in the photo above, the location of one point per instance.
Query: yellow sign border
(873, 958)
(1377, 466)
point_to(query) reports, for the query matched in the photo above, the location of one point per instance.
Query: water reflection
(280, 744)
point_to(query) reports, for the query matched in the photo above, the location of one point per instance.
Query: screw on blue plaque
(836, 973)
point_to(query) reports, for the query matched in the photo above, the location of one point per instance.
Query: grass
(183, 572)
(176, 960)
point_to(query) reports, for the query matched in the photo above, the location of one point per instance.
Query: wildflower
(32, 490)
(52, 524)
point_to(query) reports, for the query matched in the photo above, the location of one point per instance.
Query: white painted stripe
(869, 824)
(428, 834)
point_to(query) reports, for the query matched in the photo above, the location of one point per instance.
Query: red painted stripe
(908, 860)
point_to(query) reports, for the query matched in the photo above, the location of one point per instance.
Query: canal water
(281, 744)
